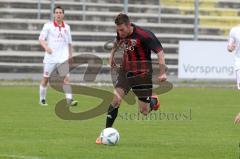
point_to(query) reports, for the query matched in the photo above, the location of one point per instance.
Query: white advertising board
(205, 60)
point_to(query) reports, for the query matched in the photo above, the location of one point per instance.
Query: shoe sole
(74, 103)
(43, 105)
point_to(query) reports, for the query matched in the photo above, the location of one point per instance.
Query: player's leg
(47, 69)
(43, 91)
(63, 70)
(146, 105)
(238, 78)
(143, 107)
(112, 112)
(121, 89)
(142, 87)
(68, 92)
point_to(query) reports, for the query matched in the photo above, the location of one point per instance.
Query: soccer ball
(109, 136)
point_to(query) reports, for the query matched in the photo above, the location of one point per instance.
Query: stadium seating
(93, 27)
(212, 13)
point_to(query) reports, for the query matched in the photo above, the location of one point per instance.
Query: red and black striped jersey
(137, 49)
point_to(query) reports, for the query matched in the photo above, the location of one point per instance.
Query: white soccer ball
(110, 136)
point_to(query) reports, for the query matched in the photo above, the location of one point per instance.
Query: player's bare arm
(45, 46)
(161, 61)
(70, 59)
(112, 62)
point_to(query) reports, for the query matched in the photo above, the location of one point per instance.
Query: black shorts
(141, 84)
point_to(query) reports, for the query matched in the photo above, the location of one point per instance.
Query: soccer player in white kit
(233, 45)
(55, 38)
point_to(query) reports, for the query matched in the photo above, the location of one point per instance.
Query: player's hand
(162, 77)
(70, 61)
(237, 119)
(231, 47)
(48, 50)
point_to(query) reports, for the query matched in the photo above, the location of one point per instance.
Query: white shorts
(237, 63)
(61, 68)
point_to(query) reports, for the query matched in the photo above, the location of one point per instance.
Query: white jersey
(58, 39)
(234, 38)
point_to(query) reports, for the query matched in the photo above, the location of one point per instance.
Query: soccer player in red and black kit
(135, 71)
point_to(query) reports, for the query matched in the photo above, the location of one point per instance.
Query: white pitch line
(20, 157)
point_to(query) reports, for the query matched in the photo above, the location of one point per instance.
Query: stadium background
(28, 131)
(92, 26)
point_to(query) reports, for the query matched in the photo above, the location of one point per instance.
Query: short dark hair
(122, 19)
(58, 7)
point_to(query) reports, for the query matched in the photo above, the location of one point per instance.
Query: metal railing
(196, 19)
(125, 6)
(51, 9)
(84, 10)
(159, 11)
(125, 9)
(39, 9)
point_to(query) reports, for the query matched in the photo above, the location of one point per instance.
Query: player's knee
(144, 110)
(116, 102)
(44, 82)
(66, 81)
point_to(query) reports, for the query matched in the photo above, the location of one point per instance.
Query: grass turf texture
(28, 130)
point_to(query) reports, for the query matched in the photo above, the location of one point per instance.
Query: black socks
(111, 115)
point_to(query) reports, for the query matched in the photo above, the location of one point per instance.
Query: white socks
(42, 92)
(68, 91)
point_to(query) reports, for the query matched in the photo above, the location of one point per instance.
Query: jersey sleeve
(153, 43)
(69, 36)
(231, 38)
(44, 33)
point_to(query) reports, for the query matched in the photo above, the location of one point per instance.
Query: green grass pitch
(204, 128)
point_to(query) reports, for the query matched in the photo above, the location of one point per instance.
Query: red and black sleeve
(152, 43)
